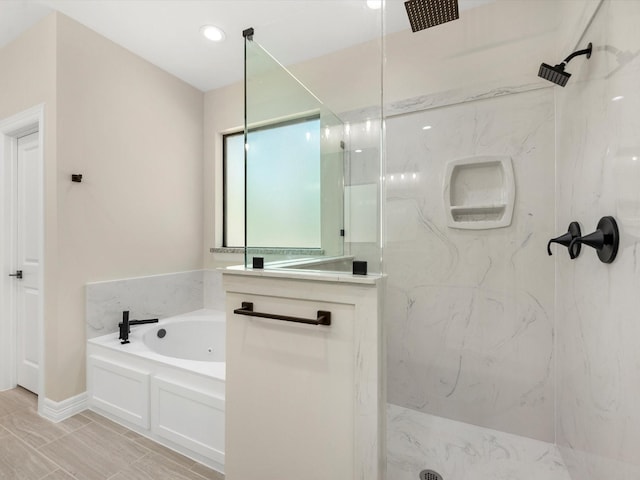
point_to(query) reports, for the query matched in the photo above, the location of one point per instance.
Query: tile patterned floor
(83, 447)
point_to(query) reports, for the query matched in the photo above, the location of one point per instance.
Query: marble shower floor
(459, 451)
(85, 446)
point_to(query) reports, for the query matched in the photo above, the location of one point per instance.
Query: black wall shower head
(557, 74)
(429, 13)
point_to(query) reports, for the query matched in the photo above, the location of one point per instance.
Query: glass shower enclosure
(300, 210)
(502, 361)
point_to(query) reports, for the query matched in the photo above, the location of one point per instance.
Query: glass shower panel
(294, 169)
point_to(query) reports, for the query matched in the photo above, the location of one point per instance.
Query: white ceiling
(167, 32)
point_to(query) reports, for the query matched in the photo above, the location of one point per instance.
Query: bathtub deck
(85, 446)
(137, 347)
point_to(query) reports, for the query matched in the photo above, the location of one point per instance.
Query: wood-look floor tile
(133, 435)
(32, 429)
(165, 452)
(95, 417)
(156, 467)
(207, 472)
(72, 424)
(14, 400)
(25, 397)
(59, 475)
(88, 446)
(93, 452)
(20, 462)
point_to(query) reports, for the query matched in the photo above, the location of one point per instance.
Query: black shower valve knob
(604, 240)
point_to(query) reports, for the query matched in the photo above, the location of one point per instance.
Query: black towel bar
(324, 317)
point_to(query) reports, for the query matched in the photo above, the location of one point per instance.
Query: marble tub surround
(598, 364)
(469, 313)
(214, 298)
(459, 451)
(155, 296)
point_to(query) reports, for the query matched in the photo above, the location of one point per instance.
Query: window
(283, 186)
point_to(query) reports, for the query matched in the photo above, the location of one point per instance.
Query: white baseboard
(58, 411)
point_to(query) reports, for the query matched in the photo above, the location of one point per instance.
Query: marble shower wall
(470, 313)
(597, 304)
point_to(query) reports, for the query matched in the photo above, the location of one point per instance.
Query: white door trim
(10, 129)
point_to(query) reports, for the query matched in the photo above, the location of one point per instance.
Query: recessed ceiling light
(212, 33)
(427, 127)
(617, 99)
(374, 4)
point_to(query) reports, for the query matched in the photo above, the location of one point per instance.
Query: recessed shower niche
(479, 192)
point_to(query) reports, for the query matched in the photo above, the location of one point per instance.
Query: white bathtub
(170, 389)
(192, 337)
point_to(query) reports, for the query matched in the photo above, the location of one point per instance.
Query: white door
(28, 247)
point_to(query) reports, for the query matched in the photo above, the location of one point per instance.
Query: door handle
(18, 274)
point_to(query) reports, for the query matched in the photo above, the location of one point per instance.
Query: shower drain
(430, 475)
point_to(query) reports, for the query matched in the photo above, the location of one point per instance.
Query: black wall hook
(605, 240)
(76, 177)
(566, 239)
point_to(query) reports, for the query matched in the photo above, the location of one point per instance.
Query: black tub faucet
(126, 323)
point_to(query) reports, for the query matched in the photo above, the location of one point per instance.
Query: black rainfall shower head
(557, 74)
(429, 13)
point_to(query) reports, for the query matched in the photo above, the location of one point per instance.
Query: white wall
(135, 133)
(223, 113)
(29, 78)
(29, 66)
